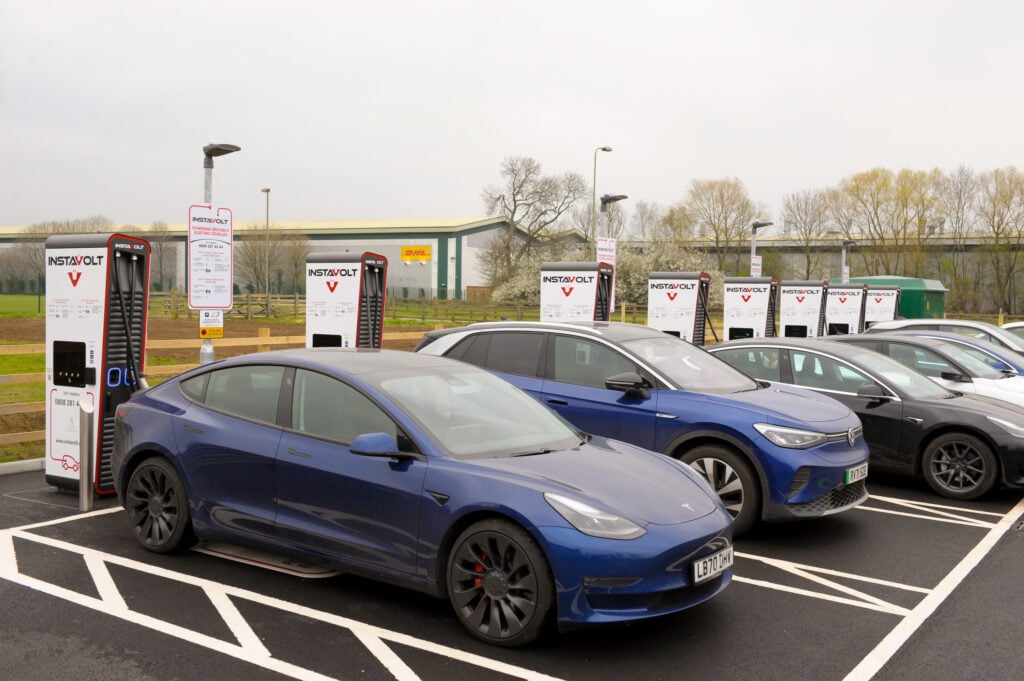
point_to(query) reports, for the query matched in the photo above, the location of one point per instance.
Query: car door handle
(193, 429)
(560, 403)
(295, 452)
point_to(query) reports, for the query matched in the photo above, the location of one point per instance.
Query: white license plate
(711, 566)
(856, 473)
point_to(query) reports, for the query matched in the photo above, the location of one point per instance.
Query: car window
(985, 358)
(250, 391)
(512, 353)
(760, 363)
(326, 407)
(812, 370)
(193, 387)
(688, 366)
(919, 359)
(584, 362)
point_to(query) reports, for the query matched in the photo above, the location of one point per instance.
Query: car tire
(157, 507)
(733, 479)
(499, 583)
(960, 466)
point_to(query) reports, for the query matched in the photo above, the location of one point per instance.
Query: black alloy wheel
(960, 466)
(733, 480)
(157, 507)
(499, 583)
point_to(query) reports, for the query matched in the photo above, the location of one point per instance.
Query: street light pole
(754, 226)
(844, 273)
(593, 192)
(206, 352)
(266, 191)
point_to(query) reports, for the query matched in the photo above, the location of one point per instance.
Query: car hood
(1002, 388)
(788, 405)
(640, 485)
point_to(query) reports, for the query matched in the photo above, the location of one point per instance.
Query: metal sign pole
(86, 453)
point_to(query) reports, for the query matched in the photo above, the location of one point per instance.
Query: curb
(22, 466)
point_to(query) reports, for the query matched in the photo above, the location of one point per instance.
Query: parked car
(998, 357)
(1016, 328)
(966, 327)
(421, 471)
(770, 452)
(946, 363)
(962, 445)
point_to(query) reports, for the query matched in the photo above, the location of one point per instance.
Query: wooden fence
(263, 343)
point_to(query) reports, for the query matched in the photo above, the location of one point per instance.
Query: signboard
(210, 264)
(802, 308)
(211, 324)
(574, 291)
(748, 308)
(413, 253)
(844, 309)
(755, 266)
(882, 304)
(606, 251)
(675, 303)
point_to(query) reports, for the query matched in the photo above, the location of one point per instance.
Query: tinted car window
(193, 388)
(512, 353)
(760, 363)
(251, 392)
(583, 362)
(688, 366)
(326, 407)
(818, 371)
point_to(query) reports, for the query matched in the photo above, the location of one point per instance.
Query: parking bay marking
(248, 647)
(940, 513)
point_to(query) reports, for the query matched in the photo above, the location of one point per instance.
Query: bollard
(86, 456)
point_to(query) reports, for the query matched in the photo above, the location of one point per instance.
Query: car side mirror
(630, 383)
(955, 376)
(375, 444)
(872, 391)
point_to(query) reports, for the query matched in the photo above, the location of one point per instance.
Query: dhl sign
(415, 253)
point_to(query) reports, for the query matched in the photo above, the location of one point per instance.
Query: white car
(965, 327)
(1016, 328)
(946, 363)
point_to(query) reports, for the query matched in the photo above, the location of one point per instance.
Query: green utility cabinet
(919, 298)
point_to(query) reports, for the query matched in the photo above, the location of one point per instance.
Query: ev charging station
(573, 291)
(844, 309)
(882, 303)
(97, 301)
(345, 300)
(802, 308)
(677, 303)
(748, 308)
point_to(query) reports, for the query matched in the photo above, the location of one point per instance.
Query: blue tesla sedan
(770, 451)
(425, 472)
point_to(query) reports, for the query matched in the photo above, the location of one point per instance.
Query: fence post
(248, 306)
(263, 332)
(296, 304)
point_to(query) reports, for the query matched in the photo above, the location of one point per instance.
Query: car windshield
(911, 383)
(689, 367)
(472, 413)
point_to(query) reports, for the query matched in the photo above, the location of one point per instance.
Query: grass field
(22, 306)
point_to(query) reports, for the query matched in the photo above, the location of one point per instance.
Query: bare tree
(806, 215)
(958, 196)
(294, 253)
(1001, 217)
(257, 255)
(534, 205)
(31, 245)
(724, 211)
(163, 253)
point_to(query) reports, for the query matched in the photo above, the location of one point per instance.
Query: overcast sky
(378, 109)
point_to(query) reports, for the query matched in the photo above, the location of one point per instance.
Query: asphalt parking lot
(909, 586)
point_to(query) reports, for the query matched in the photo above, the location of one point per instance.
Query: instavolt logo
(74, 263)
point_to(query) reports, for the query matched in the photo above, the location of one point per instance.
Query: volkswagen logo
(850, 436)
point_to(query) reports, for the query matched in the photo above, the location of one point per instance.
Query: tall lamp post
(266, 192)
(607, 200)
(754, 226)
(593, 192)
(206, 352)
(844, 272)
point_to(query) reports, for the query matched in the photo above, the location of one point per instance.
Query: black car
(963, 445)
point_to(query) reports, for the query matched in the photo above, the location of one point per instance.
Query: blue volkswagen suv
(770, 451)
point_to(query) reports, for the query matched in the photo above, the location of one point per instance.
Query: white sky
(402, 109)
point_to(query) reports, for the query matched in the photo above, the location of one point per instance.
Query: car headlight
(1011, 428)
(791, 438)
(592, 521)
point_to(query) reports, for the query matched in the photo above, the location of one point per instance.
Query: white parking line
(888, 646)
(855, 598)
(248, 647)
(940, 513)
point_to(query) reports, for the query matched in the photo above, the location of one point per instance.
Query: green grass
(24, 450)
(22, 364)
(17, 393)
(12, 305)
